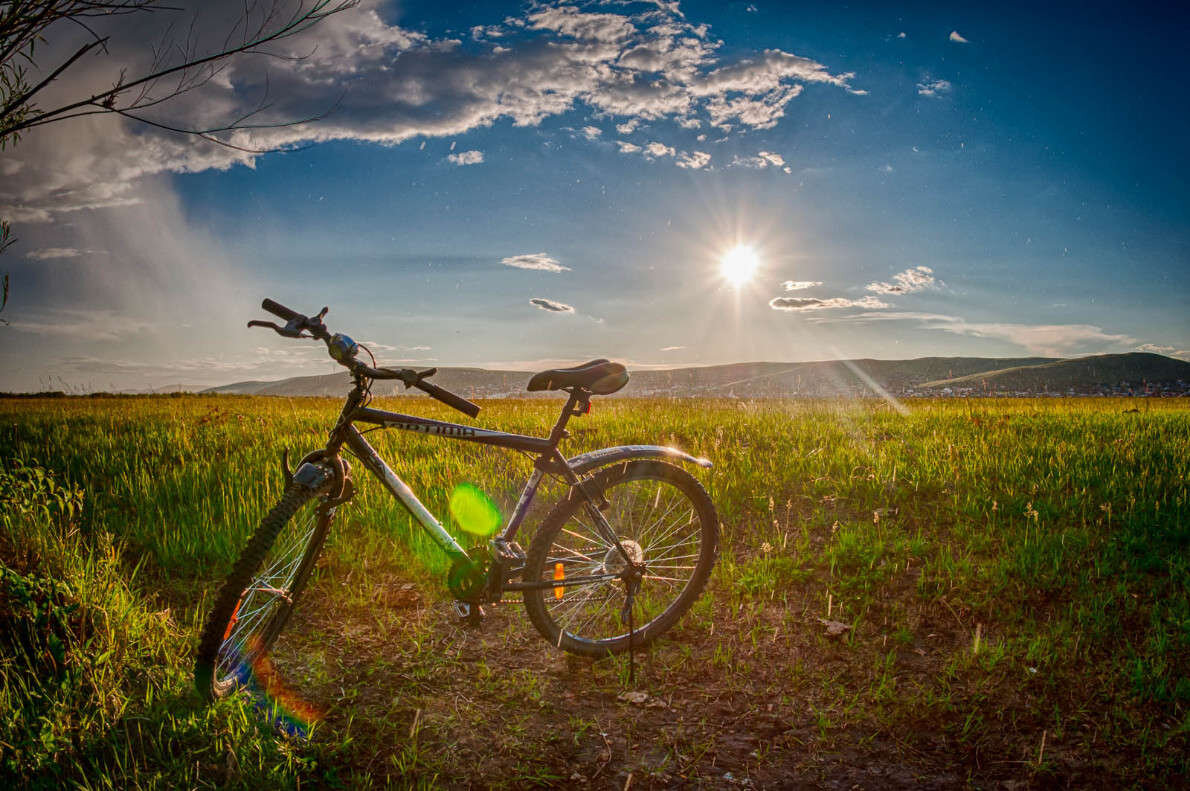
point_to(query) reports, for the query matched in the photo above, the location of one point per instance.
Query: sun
(739, 264)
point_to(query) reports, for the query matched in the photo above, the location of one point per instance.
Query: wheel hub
(613, 561)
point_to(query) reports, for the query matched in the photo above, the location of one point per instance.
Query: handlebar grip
(279, 310)
(448, 398)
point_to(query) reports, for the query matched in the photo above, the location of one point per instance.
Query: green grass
(1060, 529)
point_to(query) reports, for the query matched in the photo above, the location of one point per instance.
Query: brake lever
(411, 377)
(287, 331)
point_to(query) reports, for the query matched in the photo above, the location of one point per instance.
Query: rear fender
(585, 462)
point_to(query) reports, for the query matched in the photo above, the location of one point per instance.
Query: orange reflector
(559, 574)
(235, 616)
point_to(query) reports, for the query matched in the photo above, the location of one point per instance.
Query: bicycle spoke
(656, 519)
(262, 601)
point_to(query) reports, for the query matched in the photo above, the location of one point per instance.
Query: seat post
(577, 398)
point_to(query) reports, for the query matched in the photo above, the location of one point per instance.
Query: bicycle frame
(549, 459)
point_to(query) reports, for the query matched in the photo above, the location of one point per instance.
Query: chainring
(468, 577)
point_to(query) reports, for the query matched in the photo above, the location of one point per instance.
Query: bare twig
(23, 24)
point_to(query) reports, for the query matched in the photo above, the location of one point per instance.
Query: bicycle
(614, 565)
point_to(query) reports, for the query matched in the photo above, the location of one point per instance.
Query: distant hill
(473, 381)
(1081, 374)
(825, 378)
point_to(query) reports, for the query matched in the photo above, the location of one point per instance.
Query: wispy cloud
(653, 150)
(763, 159)
(82, 325)
(551, 305)
(956, 38)
(915, 278)
(800, 285)
(813, 303)
(671, 348)
(466, 157)
(60, 252)
(591, 132)
(542, 262)
(693, 160)
(928, 87)
(1048, 340)
(1168, 351)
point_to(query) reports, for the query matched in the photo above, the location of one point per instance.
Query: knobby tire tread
(250, 559)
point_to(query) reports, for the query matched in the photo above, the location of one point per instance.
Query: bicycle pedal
(509, 554)
(470, 613)
(509, 551)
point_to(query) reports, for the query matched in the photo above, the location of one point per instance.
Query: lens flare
(275, 699)
(739, 264)
(474, 511)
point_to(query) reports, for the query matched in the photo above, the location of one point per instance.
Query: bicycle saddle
(601, 377)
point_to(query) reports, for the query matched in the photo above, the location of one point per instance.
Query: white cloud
(1168, 351)
(930, 87)
(915, 278)
(541, 262)
(551, 305)
(813, 303)
(763, 159)
(800, 285)
(628, 127)
(694, 160)
(656, 149)
(671, 348)
(956, 38)
(48, 253)
(571, 22)
(643, 66)
(466, 157)
(591, 132)
(627, 148)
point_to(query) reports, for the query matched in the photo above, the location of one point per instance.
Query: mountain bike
(615, 563)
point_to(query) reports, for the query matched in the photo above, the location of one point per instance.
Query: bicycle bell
(342, 348)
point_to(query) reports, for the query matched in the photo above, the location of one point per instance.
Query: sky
(525, 185)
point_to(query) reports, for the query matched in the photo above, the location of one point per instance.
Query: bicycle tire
(545, 560)
(216, 646)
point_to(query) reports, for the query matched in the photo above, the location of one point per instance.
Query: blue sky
(1007, 181)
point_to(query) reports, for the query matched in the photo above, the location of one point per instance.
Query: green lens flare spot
(474, 511)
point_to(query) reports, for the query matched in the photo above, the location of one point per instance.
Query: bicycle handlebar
(279, 310)
(296, 323)
(448, 398)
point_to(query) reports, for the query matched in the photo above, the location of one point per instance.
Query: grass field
(1014, 575)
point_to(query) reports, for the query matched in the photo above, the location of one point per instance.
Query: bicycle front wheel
(255, 602)
(663, 518)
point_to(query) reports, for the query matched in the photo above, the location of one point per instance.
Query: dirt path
(761, 697)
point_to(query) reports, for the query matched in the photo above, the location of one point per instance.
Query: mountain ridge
(865, 376)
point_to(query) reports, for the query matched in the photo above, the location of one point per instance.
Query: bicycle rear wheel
(662, 518)
(255, 602)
